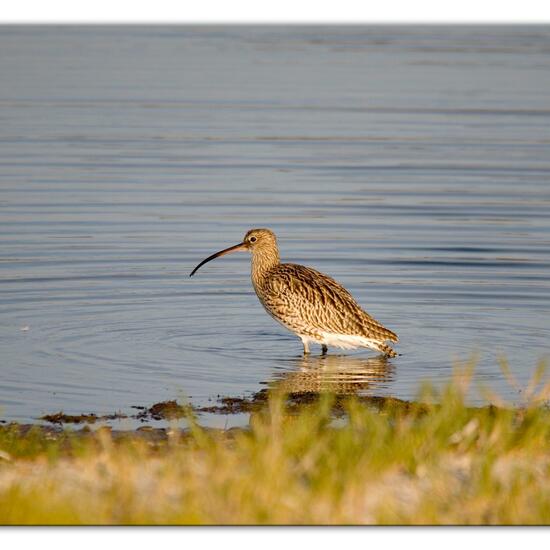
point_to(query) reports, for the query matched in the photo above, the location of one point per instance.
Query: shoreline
(321, 460)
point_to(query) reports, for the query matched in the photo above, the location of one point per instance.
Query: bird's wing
(304, 295)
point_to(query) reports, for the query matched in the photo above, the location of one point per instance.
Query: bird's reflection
(338, 374)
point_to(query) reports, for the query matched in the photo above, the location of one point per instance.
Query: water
(410, 163)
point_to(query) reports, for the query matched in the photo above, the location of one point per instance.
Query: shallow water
(410, 163)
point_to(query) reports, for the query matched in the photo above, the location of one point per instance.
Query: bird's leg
(324, 349)
(306, 346)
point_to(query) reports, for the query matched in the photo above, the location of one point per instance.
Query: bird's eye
(253, 239)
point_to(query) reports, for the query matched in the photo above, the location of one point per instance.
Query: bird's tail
(386, 350)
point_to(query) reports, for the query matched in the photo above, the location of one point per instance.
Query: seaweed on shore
(165, 410)
(172, 410)
(295, 401)
(62, 418)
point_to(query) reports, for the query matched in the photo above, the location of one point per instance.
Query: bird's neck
(262, 262)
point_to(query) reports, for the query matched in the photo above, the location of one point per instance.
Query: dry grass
(439, 463)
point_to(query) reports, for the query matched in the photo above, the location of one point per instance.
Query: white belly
(343, 341)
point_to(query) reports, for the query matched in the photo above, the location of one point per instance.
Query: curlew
(312, 305)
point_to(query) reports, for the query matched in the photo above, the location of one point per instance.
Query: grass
(436, 461)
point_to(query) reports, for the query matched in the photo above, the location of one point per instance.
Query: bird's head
(256, 241)
(259, 239)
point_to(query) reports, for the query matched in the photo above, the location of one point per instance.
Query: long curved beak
(236, 248)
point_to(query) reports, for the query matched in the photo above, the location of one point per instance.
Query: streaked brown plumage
(307, 302)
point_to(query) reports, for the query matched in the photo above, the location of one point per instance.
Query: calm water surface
(410, 163)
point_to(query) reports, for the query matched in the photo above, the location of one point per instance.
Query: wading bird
(312, 305)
